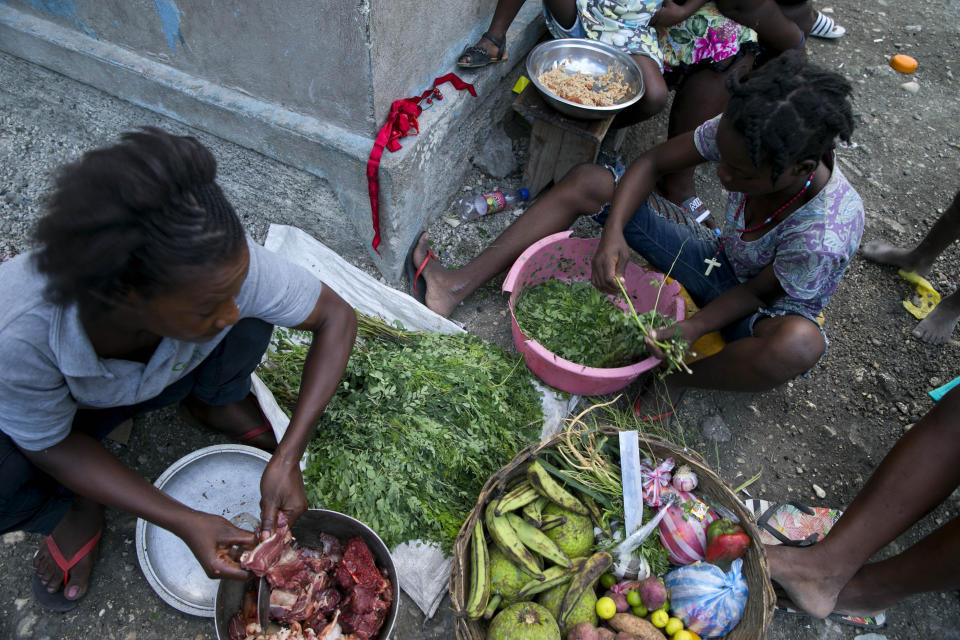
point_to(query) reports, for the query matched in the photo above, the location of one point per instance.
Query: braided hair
(124, 219)
(789, 111)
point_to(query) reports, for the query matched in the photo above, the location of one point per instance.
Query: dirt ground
(829, 429)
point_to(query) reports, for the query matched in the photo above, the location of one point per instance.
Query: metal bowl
(587, 56)
(222, 479)
(307, 530)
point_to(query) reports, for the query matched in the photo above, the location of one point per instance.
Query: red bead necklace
(712, 262)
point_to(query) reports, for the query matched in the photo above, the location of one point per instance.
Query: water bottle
(473, 207)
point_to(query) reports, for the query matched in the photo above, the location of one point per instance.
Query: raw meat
(328, 593)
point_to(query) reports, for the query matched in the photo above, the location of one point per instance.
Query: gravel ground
(828, 429)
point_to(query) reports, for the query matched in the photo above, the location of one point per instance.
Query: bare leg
(73, 531)
(654, 98)
(929, 455)
(582, 192)
(801, 13)
(503, 17)
(234, 419)
(767, 18)
(699, 97)
(781, 349)
(945, 231)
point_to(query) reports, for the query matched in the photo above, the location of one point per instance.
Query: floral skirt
(707, 36)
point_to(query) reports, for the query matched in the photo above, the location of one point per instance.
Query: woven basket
(760, 604)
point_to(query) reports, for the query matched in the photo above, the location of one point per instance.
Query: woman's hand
(281, 489)
(609, 262)
(687, 330)
(212, 540)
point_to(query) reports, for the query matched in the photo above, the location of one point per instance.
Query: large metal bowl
(587, 56)
(307, 530)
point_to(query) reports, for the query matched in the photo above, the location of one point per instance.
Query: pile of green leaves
(418, 424)
(579, 323)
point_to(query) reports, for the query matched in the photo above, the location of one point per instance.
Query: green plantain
(479, 573)
(506, 538)
(544, 483)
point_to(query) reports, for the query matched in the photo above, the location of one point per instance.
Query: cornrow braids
(125, 218)
(789, 111)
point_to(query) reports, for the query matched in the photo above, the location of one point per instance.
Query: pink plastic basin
(560, 257)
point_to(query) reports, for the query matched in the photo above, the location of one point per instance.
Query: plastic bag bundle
(683, 532)
(709, 601)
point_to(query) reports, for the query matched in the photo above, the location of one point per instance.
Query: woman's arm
(672, 13)
(82, 465)
(334, 326)
(635, 187)
(731, 305)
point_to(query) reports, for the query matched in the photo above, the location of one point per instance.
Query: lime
(684, 634)
(607, 580)
(633, 598)
(665, 606)
(673, 625)
(640, 612)
(606, 608)
(658, 618)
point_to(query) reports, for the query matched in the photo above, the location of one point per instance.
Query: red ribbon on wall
(401, 120)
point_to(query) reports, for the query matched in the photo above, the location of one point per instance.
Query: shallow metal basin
(587, 56)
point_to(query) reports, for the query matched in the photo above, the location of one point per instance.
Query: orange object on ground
(903, 63)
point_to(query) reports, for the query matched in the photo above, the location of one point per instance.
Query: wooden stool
(558, 142)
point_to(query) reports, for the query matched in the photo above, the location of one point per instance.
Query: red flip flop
(666, 415)
(58, 601)
(418, 285)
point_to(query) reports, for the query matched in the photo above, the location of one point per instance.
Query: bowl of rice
(584, 79)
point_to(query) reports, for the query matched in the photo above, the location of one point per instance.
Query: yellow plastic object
(928, 296)
(903, 63)
(521, 84)
(708, 344)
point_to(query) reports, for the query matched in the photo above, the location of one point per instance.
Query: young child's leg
(832, 575)
(767, 18)
(780, 349)
(655, 95)
(938, 326)
(503, 17)
(582, 192)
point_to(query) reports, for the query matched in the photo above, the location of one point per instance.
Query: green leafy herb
(418, 424)
(579, 323)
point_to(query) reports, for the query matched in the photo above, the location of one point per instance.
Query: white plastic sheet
(422, 569)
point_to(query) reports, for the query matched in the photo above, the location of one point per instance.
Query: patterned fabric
(810, 249)
(624, 24)
(707, 35)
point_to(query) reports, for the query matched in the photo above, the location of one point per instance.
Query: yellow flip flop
(927, 295)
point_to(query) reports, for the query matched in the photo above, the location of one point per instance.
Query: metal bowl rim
(585, 44)
(146, 566)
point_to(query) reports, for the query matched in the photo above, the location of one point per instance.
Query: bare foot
(885, 253)
(811, 583)
(234, 419)
(938, 326)
(442, 294)
(864, 597)
(74, 530)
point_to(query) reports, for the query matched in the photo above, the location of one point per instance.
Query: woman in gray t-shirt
(145, 292)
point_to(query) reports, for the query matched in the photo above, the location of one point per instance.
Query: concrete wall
(309, 85)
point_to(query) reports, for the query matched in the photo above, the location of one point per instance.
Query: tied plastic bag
(709, 601)
(655, 481)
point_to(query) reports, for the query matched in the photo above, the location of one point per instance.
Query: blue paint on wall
(170, 21)
(63, 9)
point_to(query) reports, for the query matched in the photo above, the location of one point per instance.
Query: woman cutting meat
(145, 292)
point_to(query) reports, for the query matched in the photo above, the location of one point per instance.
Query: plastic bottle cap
(523, 193)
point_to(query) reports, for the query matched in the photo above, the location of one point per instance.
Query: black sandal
(476, 56)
